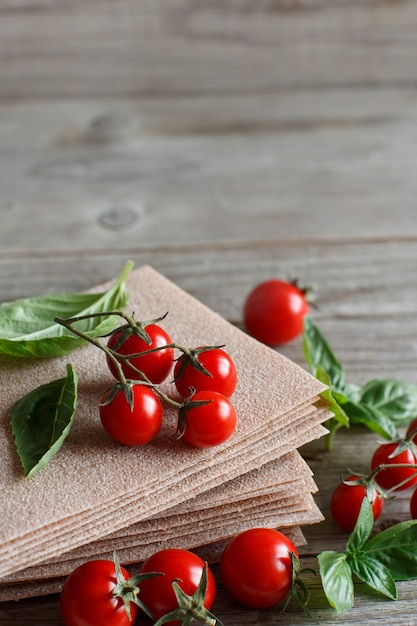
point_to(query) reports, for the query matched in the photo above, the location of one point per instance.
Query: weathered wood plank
(365, 289)
(368, 344)
(223, 143)
(88, 174)
(103, 48)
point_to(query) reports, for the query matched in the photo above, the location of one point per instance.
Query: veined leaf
(333, 398)
(318, 354)
(336, 578)
(396, 399)
(42, 419)
(371, 417)
(28, 329)
(363, 528)
(375, 574)
(396, 548)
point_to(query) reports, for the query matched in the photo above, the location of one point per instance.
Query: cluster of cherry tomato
(393, 468)
(140, 356)
(175, 586)
(259, 567)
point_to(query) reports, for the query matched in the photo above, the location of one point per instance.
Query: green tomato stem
(115, 357)
(68, 324)
(384, 466)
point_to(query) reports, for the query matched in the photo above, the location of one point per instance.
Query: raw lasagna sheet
(285, 488)
(45, 586)
(56, 541)
(94, 479)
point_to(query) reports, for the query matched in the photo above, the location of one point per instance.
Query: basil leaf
(28, 329)
(42, 419)
(318, 353)
(371, 417)
(375, 574)
(333, 398)
(336, 578)
(396, 548)
(334, 406)
(397, 400)
(363, 528)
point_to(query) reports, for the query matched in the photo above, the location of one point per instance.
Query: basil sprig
(379, 562)
(42, 419)
(28, 329)
(382, 405)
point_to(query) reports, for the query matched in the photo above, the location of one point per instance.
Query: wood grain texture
(224, 142)
(128, 123)
(368, 345)
(101, 48)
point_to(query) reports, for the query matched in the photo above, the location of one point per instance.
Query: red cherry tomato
(155, 365)
(274, 311)
(392, 477)
(217, 362)
(131, 426)
(346, 503)
(87, 597)
(208, 424)
(256, 567)
(175, 564)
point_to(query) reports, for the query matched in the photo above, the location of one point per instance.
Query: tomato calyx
(126, 387)
(308, 291)
(183, 409)
(133, 327)
(128, 590)
(189, 357)
(373, 490)
(299, 590)
(191, 608)
(403, 445)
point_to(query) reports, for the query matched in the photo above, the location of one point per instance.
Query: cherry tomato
(274, 311)
(210, 423)
(182, 566)
(131, 426)
(87, 597)
(413, 504)
(256, 567)
(156, 365)
(390, 478)
(346, 503)
(217, 362)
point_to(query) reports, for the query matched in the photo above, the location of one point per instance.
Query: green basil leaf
(336, 577)
(28, 329)
(339, 418)
(363, 528)
(332, 398)
(375, 574)
(350, 392)
(371, 417)
(42, 419)
(318, 353)
(396, 548)
(397, 400)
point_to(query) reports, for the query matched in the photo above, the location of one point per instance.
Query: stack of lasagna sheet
(96, 495)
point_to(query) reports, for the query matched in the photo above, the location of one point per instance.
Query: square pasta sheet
(94, 488)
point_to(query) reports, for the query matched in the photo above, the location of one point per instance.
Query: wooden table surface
(224, 143)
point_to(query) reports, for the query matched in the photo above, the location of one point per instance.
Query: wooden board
(223, 143)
